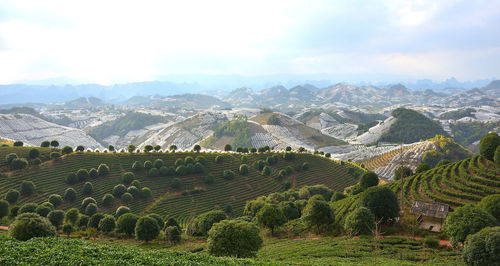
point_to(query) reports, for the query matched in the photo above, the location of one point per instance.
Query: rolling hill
(194, 195)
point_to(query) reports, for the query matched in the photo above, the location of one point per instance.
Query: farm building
(431, 215)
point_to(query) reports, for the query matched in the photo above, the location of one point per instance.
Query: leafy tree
(382, 202)
(172, 222)
(266, 170)
(83, 175)
(157, 148)
(368, 179)
(126, 223)
(13, 211)
(305, 166)
(54, 144)
(488, 145)
(136, 166)
(172, 148)
(70, 194)
(228, 209)
(4, 208)
(146, 193)
(158, 219)
(338, 196)
(197, 148)
(148, 148)
(67, 150)
(55, 199)
(45, 144)
(80, 148)
(55, 155)
(402, 172)
(360, 221)
(202, 224)
(18, 143)
(271, 216)
(219, 159)
(28, 207)
(243, 169)
(12, 196)
(83, 221)
(29, 225)
(309, 191)
(72, 216)
(87, 188)
(234, 238)
(228, 147)
(36, 162)
(131, 148)
(134, 191)
(10, 157)
(153, 172)
(466, 220)
(56, 217)
(42, 210)
(148, 165)
(94, 220)
(422, 168)
(118, 190)
(318, 213)
(72, 179)
(49, 205)
(108, 200)
(111, 148)
(290, 210)
(19, 163)
(158, 163)
(491, 204)
(67, 229)
(85, 202)
(121, 211)
(27, 188)
(128, 177)
(199, 168)
(228, 174)
(107, 224)
(33, 153)
(175, 183)
(146, 229)
(91, 209)
(103, 169)
(127, 198)
(173, 234)
(483, 248)
(179, 162)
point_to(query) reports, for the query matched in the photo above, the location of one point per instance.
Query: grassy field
(49, 178)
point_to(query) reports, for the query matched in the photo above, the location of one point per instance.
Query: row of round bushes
(83, 175)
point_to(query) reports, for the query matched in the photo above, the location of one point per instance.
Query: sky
(110, 42)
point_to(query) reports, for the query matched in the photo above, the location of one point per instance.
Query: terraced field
(182, 203)
(21, 152)
(456, 184)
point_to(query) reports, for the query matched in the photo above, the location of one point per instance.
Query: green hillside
(411, 126)
(194, 195)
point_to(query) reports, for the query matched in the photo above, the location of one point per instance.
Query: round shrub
(36, 162)
(202, 224)
(163, 171)
(33, 153)
(208, 179)
(172, 222)
(49, 205)
(146, 229)
(56, 217)
(27, 188)
(55, 155)
(29, 225)
(360, 222)
(158, 163)
(158, 219)
(201, 159)
(173, 234)
(146, 193)
(55, 199)
(199, 168)
(28, 207)
(80, 148)
(12, 196)
(93, 173)
(67, 150)
(466, 220)
(305, 166)
(72, 215)
(136, 183)
(179, 162)
(83, 175)
(108, 200)
(126, 223)
(234, 238)
(83, 221)
(422, 168)
(121, 211)
(289, 156)
(175, 183)
(72, 179)
(67, 229)
(118, 190)
(91, 209)
(483, 248)
(127, 197)
(266, 170)
(4, 208)
(190, 168)
(259, 165)
(368, 179)
(87, 188)
(19, 163)
(94, 220)
(219, 159)
(127, 178)
(290, 210)
(13, 211)
(153, 172)
(107, 224)
(228, 174)
(338, 196)
(181, 170)
(243, 169)
(488, 145)
(491, 204)
(382, 202)
(134, 191)
(136, 166)
(86, 202)
(70, 194)
(43, 210)
(148, 165)
(10, 157)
